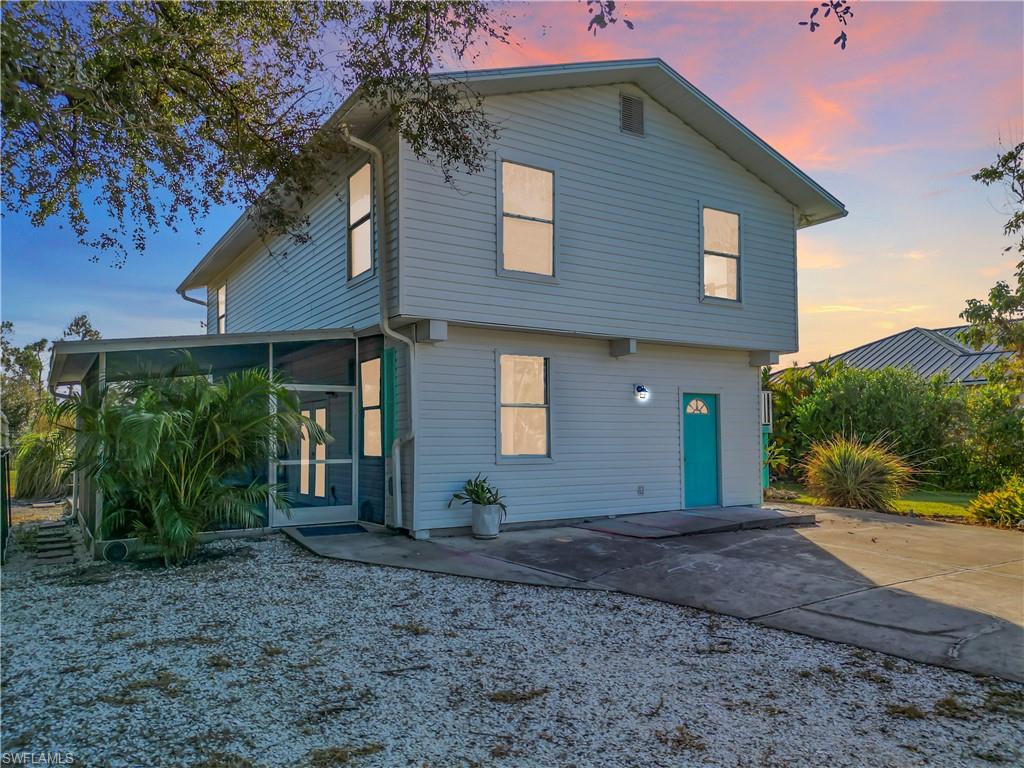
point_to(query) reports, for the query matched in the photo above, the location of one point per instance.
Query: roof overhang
(814, 204)
(70, 361)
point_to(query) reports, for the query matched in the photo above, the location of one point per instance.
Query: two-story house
(583, 322)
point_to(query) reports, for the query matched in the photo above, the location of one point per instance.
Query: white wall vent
(631, 114)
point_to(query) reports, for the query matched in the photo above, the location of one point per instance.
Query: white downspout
(380, 220)
(186, 297)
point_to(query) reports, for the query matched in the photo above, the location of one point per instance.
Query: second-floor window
(222, 309)
(360, 222)
(527, 219)
(721, 254)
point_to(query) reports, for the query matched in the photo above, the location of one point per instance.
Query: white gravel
(268, 653)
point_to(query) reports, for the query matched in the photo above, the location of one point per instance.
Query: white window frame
(351, 225)
(500, 457)
(540, 165)
(222, 308)
(364, 408)
(723, 207)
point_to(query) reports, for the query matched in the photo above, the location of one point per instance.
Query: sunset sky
(893, 126)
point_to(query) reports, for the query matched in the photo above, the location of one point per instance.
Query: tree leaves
(841, 13)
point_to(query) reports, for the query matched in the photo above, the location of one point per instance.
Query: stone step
(55, 553)
(48, 546)
(66, 560)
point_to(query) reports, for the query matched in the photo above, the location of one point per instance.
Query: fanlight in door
(697, 406)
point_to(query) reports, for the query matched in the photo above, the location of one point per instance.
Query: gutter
(182, 292)
(380, 222)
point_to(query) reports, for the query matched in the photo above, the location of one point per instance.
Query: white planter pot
(486, 521)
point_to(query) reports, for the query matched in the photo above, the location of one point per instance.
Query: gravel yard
(263, 654)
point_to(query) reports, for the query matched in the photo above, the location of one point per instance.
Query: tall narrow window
(304, 458)
(721, 254)
(320, 469)
(369, 374)
(360, 221)
(222, 309)
(524, 405)
(528, 219)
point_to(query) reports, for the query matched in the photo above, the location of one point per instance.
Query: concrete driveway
(942, 593)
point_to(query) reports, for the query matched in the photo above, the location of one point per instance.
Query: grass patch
(517, 697)
(226, 760)
(681, 738)
(951, 706)
(926, 503)
(328, 757)
(906, 711)
(1005, 702)
(413, 628)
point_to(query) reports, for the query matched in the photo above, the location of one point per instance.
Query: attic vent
(631, 114)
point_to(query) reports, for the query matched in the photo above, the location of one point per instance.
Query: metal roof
(926, 352)
(813, 203)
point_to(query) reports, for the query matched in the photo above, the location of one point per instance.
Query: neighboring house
(583, 322)
(926, 352)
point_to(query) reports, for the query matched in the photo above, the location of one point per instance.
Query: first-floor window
(369, 375)
(524, 405)
(222, 309)
(721, 254)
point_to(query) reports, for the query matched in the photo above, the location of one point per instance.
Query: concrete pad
(1014, 570)
(573, 552)
(622, 527)
(905, 624)
(737, 587)
(402, 552)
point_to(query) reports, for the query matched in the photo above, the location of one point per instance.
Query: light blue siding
(628, 233)
(289, 286)
(604, 443)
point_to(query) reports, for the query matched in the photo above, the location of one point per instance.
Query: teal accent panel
(389, 386)
(700, 450)
(766, 436)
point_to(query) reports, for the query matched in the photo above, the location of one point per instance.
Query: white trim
(343, 513)
(539, 164)
(499, 457)
(723, 207)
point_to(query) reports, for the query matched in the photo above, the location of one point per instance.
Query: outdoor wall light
(642, 393)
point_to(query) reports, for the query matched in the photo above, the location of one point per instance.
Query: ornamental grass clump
(1003, 507)
(846, 472)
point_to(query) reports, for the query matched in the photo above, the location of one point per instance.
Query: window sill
(528, 277)
(717, 301)
(362, 277)
(500, 459)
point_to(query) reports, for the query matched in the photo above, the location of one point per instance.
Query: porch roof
(70, 361)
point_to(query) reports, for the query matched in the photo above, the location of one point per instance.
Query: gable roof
(813, 203)
(926, 352)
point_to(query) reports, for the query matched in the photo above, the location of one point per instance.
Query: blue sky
(893, 126)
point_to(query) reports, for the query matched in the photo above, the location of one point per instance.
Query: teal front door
(700, 450)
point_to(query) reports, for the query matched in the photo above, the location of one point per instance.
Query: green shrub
(896, 405)
(845, 472)
(173, 454)
(42, 457)
(1003, 506)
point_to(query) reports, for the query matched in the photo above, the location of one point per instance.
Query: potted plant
(488, 507)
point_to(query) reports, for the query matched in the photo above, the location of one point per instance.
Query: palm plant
(179, 454)
(43, 456)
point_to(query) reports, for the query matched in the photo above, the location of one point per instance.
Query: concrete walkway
(942, 593)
